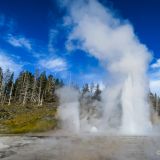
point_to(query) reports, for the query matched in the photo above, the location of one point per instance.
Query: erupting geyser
(135, 118)
(112, 41)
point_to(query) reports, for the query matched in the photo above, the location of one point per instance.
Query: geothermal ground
(84, 147)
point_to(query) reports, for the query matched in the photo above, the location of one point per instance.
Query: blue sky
(34, 35)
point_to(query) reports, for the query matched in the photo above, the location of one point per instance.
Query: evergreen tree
(92, 88)
(158, 106)
(97, 93)
(10, 88)
(85, 89)
(27, 87)
(19, 88)
(1, 81)
(5, 86)
(34, 94)
(42, 81)
(50, 88)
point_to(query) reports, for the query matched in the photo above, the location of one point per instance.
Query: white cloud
(52, 36)
(154, 76)
(16, 41)
(19, 41)
(7, 62)
(54, 64)
(89, 78)
(156, 64)
(155, 86)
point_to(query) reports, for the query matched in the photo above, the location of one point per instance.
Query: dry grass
(24, 119)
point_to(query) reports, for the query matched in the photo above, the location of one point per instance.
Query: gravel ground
(84, 147)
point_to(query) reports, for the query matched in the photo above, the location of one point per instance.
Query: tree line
(36, 89)
(27, 88)
(155, 102)
(39, 88)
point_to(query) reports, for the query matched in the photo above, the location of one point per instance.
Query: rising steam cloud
(68, 110)
(113, 41)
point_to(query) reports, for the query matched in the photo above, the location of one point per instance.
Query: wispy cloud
(54, 64)
(19, 41)
(91, 78)
(156, 64)
(7, 62)
(155, 86)
(8, 24)
(52, 37)
(154, 76)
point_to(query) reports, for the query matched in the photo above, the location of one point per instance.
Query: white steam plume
(114, 43)
(68, 110)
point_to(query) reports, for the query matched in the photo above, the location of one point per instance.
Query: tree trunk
(10, 94)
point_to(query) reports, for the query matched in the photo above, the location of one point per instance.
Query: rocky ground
(84, 147)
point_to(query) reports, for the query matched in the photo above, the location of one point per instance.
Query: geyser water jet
(135, 118)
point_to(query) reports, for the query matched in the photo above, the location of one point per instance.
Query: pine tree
(5, 86)
(11, 85)
(158, 106)
(50, 88)
(85, 89)
(92, 88)
(97, 94)
(27, 87)
(41, 88)
(154, 101)
(34, 94)
(1, 81)
(19, 88)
